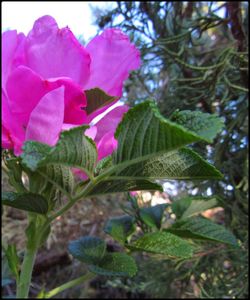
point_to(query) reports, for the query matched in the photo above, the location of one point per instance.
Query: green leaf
(73, 149)
(143, 132)
(115, 264)
(88, 249)
(15, 174)
(26, 201)
(203, 124)
(202, 228)
(97, 98)
(152, 216)
(119, 185)
(39, 185)
(189, 206)
(163, 243)
(120, 227)
(179, 206)
(178, 164)
(51, 181)
(148, 148)
(34, 153)
(13, 260)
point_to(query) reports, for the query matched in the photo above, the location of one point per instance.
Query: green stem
(68, 285)
(73, 200)
(26, 273)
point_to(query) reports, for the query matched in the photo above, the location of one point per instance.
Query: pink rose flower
(44, 76)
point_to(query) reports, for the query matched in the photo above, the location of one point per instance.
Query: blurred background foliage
(195, 57)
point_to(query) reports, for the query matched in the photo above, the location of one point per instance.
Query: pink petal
(79, 173)
(12, 53)
(106, 145)
(67, 126)
(112, 58)
(20, 56)
(7, 143)
(54, 52)
(110, 121)
(13, 125)
(75, 100)
(46, 119)
(25, 88)
(9, 44)
(91, 132)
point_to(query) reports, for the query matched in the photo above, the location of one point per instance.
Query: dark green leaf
(59, 175)
(26, 201)
(202, 228)
(147, 148)
(88, 249)
(179, 206)
(119, 185)
(152, 216)
(38, 184)
(178, 164)
(203, 124)
(120, 227)
(163, 243)
(15, 174)
(97, 98)
(189, 206)
(115, 264)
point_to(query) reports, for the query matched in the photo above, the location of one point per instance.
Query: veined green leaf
(178, 164)
(202, 228)
(204, 124)
(73, 149)
(119, 185)
(189, 206)
(39, 185)
(26, 201)
(88, 249)
(143, 132)
(163, 243)
(148, 148)
(115, 264)
(59, 175)
(51, 181)
(97, 98)
(103, 164)
(120, 227)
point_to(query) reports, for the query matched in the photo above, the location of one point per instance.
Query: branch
(234, 14)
